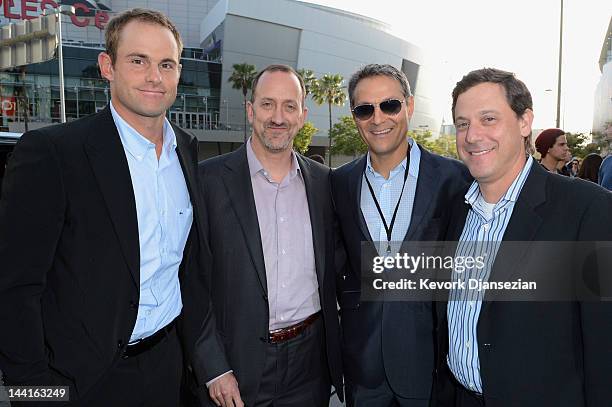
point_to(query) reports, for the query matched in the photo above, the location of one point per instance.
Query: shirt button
(486, 226)
(283, 285)
(282, 318)
(283, 251)
(467, 344)
(282, 219)
(471, 304)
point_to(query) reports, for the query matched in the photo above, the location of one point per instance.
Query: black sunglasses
(365, 111)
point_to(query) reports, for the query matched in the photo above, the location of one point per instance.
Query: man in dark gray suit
(273, 332)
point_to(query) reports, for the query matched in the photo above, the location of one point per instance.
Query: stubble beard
(273, 147)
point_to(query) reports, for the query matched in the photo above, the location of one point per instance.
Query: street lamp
(76, 92)
(69, 11)
(205, 100)
(227, 126)
(548, 91)
(558, 119)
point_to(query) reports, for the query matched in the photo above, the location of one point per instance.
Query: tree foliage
(347, 140)
(242, 79)
(329, 89)
(302, 140)
(580, 146)
(309, 79)
(443, 145)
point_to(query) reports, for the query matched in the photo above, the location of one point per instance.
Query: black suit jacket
(543, 353)
(403, 330)
(234, 337)
(69, 250)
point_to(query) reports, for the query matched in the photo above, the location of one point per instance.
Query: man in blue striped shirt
(515, 353)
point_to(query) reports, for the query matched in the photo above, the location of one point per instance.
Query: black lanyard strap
(389, 228)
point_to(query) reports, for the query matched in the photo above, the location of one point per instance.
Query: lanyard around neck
(389, 227)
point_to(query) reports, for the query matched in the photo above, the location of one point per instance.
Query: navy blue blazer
(395, 340)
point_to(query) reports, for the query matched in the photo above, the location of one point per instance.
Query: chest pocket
(183, 219)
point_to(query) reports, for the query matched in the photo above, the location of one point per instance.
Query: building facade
(217, 34)
(602, 108)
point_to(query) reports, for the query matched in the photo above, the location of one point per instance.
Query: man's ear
(525, 122)
(106, 66)
(410, 106)
(249, 107)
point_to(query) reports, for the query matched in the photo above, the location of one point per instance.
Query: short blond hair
(116, 24)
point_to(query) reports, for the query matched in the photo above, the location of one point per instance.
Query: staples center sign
(87, 11)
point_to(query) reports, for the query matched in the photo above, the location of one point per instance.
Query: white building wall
(330, 41)
(602, 109)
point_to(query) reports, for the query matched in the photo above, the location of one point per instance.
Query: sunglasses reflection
(388, 107)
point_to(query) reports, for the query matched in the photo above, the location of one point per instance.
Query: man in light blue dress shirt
(98, 232)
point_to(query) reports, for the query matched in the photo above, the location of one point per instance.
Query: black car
(7, 144)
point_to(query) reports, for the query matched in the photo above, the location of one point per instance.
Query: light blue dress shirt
(165, 214)
(387, 193)
(482, 233)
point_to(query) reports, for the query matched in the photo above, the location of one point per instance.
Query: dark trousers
(467, 398)
(381, 396)
(151, 379)
(296, 373)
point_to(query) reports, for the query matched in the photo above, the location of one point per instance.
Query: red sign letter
(101, 19)
(7, 10)
(45, 3)
(25, 8)
(75, 20)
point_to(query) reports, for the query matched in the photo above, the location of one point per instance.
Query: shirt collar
(255, 165)
(135, 143)
(511, 194)
(415, 153)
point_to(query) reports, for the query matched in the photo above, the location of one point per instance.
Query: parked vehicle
(7, 144)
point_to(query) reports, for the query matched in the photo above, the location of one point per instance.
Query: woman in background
(590, 167)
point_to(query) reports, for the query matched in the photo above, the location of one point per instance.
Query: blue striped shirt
(387, 192)
(482, 233)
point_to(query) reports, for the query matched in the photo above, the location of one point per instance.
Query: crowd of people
(556, 157)
(132, 275)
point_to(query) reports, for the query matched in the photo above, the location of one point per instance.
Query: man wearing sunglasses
(398, 191)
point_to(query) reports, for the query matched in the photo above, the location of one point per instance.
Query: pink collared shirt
(286, 237)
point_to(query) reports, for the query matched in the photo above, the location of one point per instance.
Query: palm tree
(328, 89)
(242, 79)
(308, 78)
